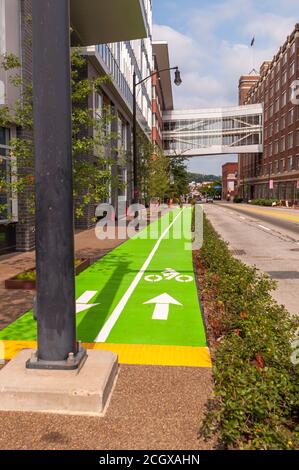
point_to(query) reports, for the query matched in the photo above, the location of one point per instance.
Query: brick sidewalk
(14, 303)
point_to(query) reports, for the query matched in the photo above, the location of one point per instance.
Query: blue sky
(210, 41)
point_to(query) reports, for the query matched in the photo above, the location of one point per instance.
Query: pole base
(73, 362)
(83, 392)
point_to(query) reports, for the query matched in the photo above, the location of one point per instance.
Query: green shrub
(263, 202)
(31, 274)
(238, 200)
(256, 397)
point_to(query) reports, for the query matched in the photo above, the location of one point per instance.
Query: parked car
(210, 199)
(198, 200)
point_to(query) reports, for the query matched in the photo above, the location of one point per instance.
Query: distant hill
(200, 178)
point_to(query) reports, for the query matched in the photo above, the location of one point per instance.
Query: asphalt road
(267, 238)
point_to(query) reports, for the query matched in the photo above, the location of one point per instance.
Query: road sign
(162, 303)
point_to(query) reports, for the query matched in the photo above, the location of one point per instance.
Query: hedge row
(256, 398)
(264, 202)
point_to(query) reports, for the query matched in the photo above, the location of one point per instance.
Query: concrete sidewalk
(152, 407)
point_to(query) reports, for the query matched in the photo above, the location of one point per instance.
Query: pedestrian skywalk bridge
(215, 131)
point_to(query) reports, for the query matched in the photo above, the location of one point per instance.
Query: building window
(290, 140)
(297, 138)
(284, 78)
(290, 163)
(270, 130)
(291, 116)
(276, 166)
(277, 105)
(270, 150)
(283, 122)
(292, 68)
(293, 48)
(285, 58)
(277, 86)
(284, 99)
(283, 144)
(276, 126)
(5, 171)
(98, 105)
(282, 164)
(276, 147)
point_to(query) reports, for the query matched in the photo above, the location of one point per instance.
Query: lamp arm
(154, 73)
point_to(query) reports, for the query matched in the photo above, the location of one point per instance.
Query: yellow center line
(292, 218)
(133, 354)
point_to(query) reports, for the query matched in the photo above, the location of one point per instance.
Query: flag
(253, 41)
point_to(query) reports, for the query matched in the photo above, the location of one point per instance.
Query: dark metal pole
(135, 156)
(57, 346)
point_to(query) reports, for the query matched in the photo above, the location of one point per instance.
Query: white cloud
(210, 61)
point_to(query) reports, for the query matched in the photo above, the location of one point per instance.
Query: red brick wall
(279, 161)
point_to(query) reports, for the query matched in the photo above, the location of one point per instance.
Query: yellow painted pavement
(184, 356)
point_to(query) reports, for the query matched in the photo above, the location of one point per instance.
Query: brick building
(275, 172)
(229, 180)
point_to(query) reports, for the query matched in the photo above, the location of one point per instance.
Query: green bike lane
(140, 300)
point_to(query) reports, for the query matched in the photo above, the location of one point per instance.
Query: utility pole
(56, 305)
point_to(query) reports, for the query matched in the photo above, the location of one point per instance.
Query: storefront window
(4, 172)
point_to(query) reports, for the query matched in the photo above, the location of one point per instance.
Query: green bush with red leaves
(255, 405)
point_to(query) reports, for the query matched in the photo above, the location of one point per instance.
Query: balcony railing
(114, 69)
(120, 81)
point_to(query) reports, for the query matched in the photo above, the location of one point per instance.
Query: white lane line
(106, 330)
(243, 218)
(265, 228)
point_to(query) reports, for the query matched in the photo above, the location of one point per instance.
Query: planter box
(27, 284)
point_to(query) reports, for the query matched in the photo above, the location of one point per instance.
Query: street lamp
(177, 82)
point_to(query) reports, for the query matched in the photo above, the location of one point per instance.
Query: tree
(201, 178)
(179, 176)
(146, 150)
(159, 175)
(213, 189)
(92, 138)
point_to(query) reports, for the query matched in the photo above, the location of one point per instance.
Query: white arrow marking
(106, 330)
(162, 303)
(82, 303)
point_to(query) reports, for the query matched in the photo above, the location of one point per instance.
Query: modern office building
(275, 172)
(119, 55)
(162, 90)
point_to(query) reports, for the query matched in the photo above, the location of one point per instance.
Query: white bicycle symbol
(168, 275)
